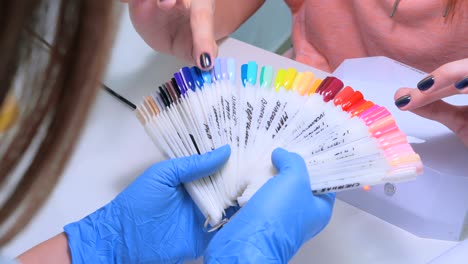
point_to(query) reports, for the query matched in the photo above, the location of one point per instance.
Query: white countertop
(114, 149)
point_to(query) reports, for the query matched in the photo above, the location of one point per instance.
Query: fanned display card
(345, 140)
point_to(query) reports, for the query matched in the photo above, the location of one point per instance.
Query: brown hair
(54, 88)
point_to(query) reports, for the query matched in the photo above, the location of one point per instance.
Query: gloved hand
(153, 220)
(276, 221)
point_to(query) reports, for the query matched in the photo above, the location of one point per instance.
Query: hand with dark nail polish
(184, 29)
(402, 101)
(462, 84)
(426, 83)
(205, 60)
(427, 100)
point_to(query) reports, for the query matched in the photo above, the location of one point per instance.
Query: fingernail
(205, 60)
(461, 84)
(402, 101)
(426, 83)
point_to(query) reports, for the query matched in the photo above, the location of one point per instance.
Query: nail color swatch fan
(346, 141)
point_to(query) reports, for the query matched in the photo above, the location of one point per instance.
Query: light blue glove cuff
(92, 240)
(153, 220)
(109, 236)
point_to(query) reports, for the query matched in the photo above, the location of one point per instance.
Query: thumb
(205, 48)
(191, 168)
(290, 164)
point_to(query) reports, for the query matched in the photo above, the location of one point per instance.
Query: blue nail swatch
(252, 72)
(187, 76)
(244, 74)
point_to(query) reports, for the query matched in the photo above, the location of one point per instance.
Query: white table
(114, 149)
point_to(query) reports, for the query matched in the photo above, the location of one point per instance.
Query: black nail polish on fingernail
(462, 84)
(205, 60)
(402, 101)
(426, 83)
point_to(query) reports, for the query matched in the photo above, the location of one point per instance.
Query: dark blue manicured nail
(205, 60)
(426, 83)
(402, 101)
(462, 84)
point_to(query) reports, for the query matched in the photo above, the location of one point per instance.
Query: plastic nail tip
(297, 81)
(343, 95)
(217, 69)
(306, 82)
(289, 78)
(313, 88)
(334, 86)
(252, 72)
(180, 83)
(196, 76)
(224, 69)
(266, 76)
(355, 97)
(279, 80)
(244, 74)
(187, 76)
(361, 108)
(231, 68)
(323, 84)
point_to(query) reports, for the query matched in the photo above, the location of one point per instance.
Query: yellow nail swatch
(279, 80)
(289, 78)
(305, 82)
(314, 86)
(297, 81)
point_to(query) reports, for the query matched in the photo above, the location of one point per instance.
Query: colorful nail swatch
(346, 140)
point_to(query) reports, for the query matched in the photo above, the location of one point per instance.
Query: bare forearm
(52, 251)
(229, 15)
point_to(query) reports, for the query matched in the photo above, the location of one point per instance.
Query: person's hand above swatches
(189, 29)
(426, 101)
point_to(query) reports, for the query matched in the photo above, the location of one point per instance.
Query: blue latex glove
(281, 216)
(153, 220)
